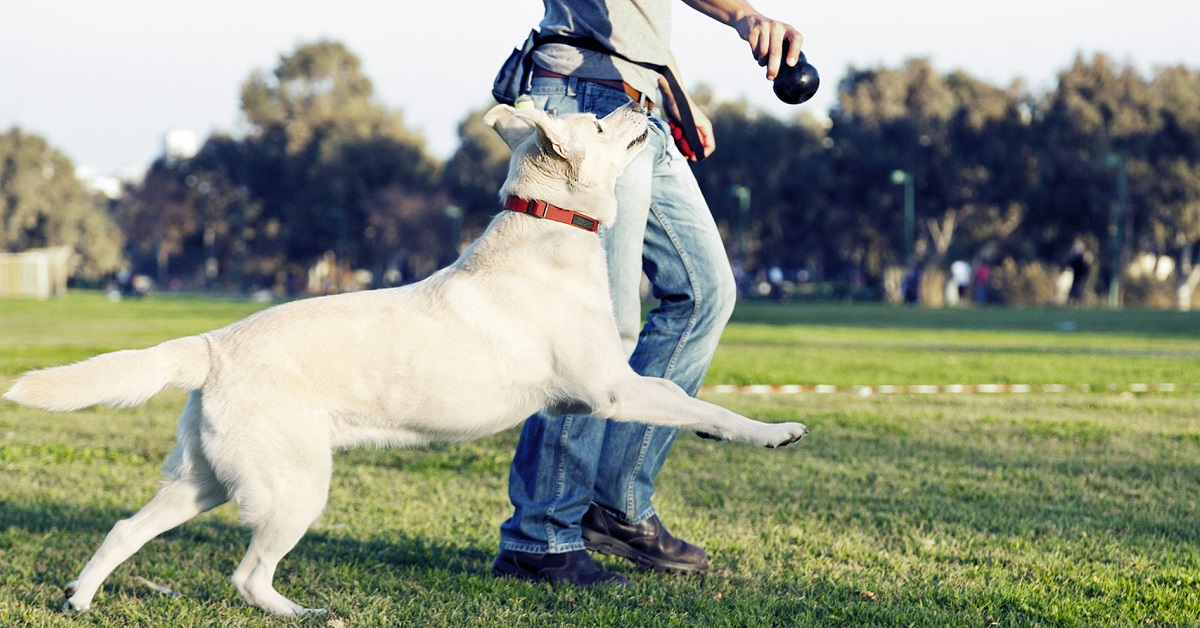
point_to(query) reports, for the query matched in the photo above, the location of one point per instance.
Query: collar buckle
(538, 208)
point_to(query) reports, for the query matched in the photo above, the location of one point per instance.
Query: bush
(1148, 291)
(1033, 283)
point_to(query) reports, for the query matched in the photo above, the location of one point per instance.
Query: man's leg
(554, 466)
(691, 279)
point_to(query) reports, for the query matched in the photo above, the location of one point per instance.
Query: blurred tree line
(42, 204)
(327, 187)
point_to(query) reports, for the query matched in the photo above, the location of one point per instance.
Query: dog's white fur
(520, 322)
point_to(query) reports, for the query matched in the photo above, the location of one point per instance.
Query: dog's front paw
(784, 434)
(68, 593)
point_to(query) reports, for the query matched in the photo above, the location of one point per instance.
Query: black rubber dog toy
(796, 84)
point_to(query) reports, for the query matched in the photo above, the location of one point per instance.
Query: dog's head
(573, 160)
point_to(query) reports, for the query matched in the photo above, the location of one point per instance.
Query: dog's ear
(513, 128)
(516, 125)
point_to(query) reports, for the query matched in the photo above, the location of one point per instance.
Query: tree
(1001, 174)
(476, 170)
(157, 216)
(42, 204)
(323, 149)
(777, 172)
(1097, 110)
(321, 164)
(887, 120)
(959, 139)
(197, 218)
(1175, 187)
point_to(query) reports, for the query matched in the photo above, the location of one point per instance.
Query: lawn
(1037, 509)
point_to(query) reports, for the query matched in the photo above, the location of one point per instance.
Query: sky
(104, 80)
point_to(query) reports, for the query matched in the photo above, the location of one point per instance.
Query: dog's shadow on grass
(48, 516)
(63, 536)
(406, 555)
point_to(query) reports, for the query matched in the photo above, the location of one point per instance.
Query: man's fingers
(795, 42)
(776, 52)
(766, 42)
(760, 44)
(710, 142)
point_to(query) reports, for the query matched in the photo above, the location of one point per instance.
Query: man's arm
(765, 35)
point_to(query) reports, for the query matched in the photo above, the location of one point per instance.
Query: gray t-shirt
(638, 29)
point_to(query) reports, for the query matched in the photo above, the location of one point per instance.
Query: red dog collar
(542, 209)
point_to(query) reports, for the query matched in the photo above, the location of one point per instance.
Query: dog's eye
(599, 129)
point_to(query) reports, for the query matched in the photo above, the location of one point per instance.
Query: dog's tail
(121, 378)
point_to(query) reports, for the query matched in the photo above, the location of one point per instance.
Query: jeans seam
(684, 337)
(641, 459)
(560, 482)
(697, 297)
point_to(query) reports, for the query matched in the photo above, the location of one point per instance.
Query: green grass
(1069, 509)
(872, 345)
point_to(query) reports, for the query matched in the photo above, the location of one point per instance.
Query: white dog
(521, 322)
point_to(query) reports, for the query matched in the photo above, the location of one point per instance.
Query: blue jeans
(663, 228)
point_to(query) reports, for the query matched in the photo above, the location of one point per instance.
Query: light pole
(343, 236)
(902, 177)
(1114, 160)
(455, 214)
(742, 194)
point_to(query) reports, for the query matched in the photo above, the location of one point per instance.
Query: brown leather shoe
(648, 543)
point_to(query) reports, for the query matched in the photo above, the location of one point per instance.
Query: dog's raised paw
(792, 432)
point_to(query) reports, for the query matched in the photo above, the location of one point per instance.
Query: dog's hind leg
(188, 490)
(279, 507)
(659, 401)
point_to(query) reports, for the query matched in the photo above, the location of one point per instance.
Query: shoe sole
(612, 547)
(520, 574)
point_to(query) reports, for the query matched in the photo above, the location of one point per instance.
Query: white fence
(36, 273)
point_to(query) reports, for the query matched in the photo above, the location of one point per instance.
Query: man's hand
(705, 127)
(766, 37)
